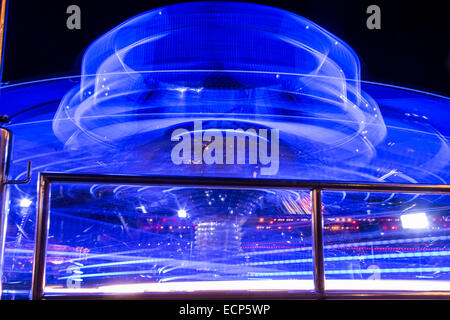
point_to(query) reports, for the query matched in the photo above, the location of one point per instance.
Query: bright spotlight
(182, 213)
(417, 220)
(25, 203)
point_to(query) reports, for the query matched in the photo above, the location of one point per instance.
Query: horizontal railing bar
(434, 295)
(245, 182)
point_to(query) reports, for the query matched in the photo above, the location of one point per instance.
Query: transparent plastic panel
(135, 239)
(386, 241)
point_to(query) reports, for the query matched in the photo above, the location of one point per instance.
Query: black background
(412, 48)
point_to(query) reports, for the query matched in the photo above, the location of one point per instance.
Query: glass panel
(128, 239)
(386, 241)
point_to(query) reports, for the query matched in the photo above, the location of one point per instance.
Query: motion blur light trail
(230, 65)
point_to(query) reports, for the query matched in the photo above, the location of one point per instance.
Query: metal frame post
(3, 19)
(319, 274)
(42, 223)
(5, 137)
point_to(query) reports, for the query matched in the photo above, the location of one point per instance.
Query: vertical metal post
(5, 137)
(4, 5)
(319, 274)
(37, 289)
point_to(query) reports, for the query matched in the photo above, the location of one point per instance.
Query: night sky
(412, 48)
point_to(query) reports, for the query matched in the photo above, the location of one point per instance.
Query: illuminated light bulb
(25, 203)
(182, 213)
(416, 221)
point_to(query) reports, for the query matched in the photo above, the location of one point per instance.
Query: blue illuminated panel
(229, 65)
(119, 239)
(386, 241)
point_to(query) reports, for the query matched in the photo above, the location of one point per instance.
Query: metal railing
(5, 151)
(316, 187)
(5, 137)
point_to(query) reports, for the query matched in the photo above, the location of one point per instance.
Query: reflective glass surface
(119, 239)
(386, 241)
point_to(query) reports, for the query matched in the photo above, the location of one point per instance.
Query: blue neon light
(329, 272)
(231, 65)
